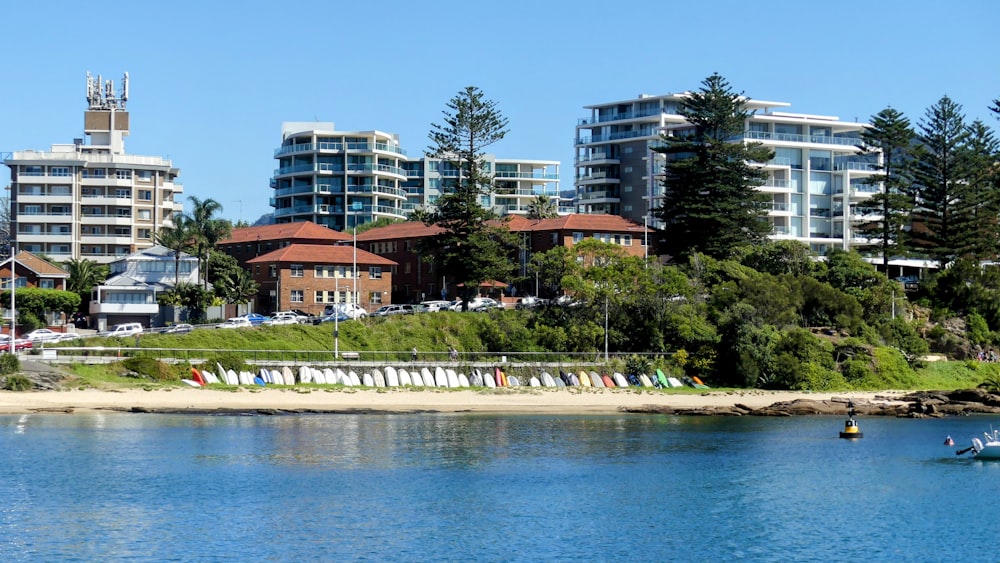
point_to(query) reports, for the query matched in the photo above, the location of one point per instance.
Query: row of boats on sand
(432, 377)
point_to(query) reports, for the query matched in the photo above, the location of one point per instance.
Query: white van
(125, 329)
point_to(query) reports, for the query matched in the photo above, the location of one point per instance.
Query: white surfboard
(463, 381)
(452, 377)
(305, 376)
(416, 378)
(534, 382)
(440, 377)
(489, 380)
(404, 378)
(355, 380)
(277, 377)
(330, 376)
(379, 377)
(246, 378)
(317, 376)
(548, 380)
(427, 377)
(391, 377)
(209, 377)
(367, 380)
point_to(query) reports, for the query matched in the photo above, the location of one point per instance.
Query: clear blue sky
(211, 82)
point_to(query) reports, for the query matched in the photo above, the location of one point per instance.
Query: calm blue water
(492, 488)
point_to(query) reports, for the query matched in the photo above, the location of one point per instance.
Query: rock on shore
(918, 404)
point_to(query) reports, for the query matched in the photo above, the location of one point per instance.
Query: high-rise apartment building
(92, 200)
(342, 179)
(815, 180)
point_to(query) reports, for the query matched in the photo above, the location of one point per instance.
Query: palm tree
(207, 229)
(237, 286)
(83, 276)
(542, 207)
(178, 238)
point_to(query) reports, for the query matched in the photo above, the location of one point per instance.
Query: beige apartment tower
(90, 199)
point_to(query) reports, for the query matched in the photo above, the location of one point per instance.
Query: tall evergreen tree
(891, 136)
(473, 248)
(983, 192)
(941, 219)
(711, 204)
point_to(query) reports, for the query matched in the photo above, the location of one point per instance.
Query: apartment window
(123, 212)
(555, 239)
(145, 214)
(123, 193)
(296, 270)
(146, 195)
(95, 173)
(375, 273)
(627, 150)
(406, 267)
(123, 174)
(628, 169)
(577, 237)
(627, 240)
(257, 270)
(47, 284)
(59, 210)
(272, 270)
(123, 231)
(375, 298)
(626, 189)
(144, 234)
(297, 296)
(626, 207)
(144, 175)
(319, 297)
(59, 171)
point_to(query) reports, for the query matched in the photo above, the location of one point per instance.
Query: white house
(129, 295)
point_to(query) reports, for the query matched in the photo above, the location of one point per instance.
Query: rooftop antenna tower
(101, 93)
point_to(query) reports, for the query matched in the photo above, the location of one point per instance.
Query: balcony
(598, 197)
(778, 208)
(796, 138)
(377, 168)
(856, 166)
(596, 158)
(621, 135)
(597, 178)
(308, 147)
(623, 115)
(526, 175)
(777, 186)
(54, 238)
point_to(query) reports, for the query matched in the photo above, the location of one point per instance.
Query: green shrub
(230, 361)
(638, 365)
(857, 369)
(18, 382)
(9, 363)
(151, 368)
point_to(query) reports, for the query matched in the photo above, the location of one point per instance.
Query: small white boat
(988, 450)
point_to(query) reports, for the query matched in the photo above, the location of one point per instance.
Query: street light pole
(605, 328)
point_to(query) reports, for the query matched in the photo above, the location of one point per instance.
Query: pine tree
(891, 136)
(711, 204)
(941, 219)
(473, 248)
(983, 191)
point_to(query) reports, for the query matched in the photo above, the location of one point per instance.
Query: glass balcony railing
(796, 138)
(618, 116)
(528, 175)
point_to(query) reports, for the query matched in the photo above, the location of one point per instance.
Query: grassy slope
(429, 333)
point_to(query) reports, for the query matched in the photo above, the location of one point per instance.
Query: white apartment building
(815, 180)
(342, 179)
(91, 200)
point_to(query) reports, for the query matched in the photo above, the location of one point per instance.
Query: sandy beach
(521, 400)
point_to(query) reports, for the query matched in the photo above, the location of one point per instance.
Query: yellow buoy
(851, 430)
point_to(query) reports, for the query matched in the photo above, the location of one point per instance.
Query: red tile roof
(516, 223)
(405, 230)
(39, 266)
(305, 230)
(321, 253)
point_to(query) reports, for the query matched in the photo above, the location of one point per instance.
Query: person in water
(949, 442)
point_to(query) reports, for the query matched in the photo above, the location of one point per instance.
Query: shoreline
(404, 400)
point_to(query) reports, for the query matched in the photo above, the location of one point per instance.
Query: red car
(19, 344)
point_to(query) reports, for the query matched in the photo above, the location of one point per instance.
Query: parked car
(336, 317)
(179, 328)
(352, 310)
(436, 305)
(236, 322)
(124, 329)
(43, 335)
(285, 318)
(480, 304)
(19, 344)
(386, 310)
(528, 302)
(256, 319)
(416, 308)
